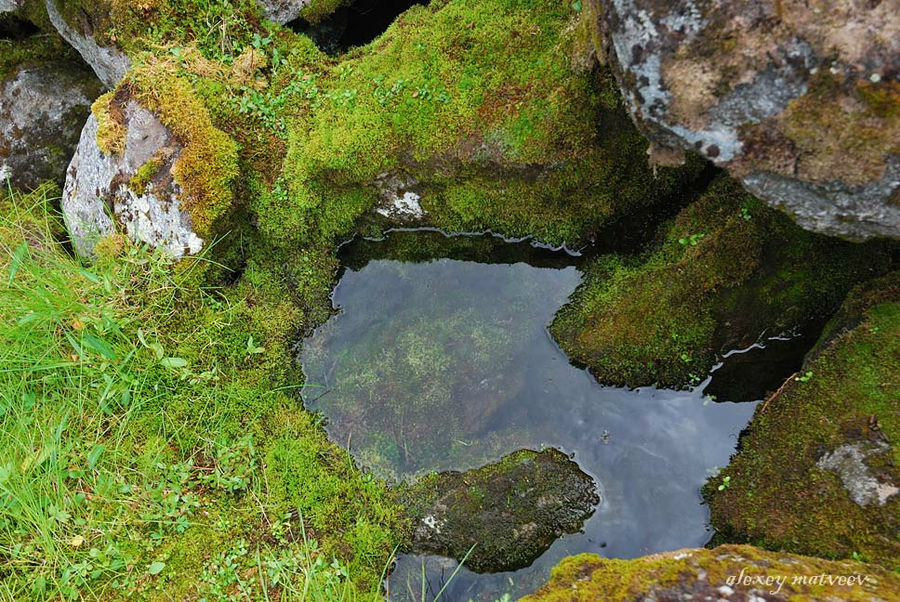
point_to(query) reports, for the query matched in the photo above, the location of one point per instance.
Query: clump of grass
(135, 417)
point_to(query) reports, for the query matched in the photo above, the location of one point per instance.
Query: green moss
(699, 574)
(141, 178)
(726, 270)
(778, 497)
(480, 103)
(317, 10)
(111, 129)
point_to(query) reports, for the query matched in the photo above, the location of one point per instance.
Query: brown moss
(844, 130)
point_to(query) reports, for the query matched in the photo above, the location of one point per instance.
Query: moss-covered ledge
(724, 272)
(825, 444)
(491, 111)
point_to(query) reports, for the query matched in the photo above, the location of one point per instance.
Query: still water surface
(439, 358)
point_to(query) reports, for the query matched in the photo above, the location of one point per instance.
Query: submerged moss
(726, 271)
(702, 574)
(778, 496)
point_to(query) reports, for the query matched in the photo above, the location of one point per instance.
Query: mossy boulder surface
(150, 154)
(484, 109)
(817, 471)
(799, 100)
(727, 270)
(728, 572)
(511, 511)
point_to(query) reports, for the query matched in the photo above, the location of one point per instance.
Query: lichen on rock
(108, 62)
(45, 96)
(794, 98)
(164, 174)
(510, 511)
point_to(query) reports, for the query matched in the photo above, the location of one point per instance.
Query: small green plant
(691, 240)
(726, 483)
(804, 378)
(253, 348)
(745, 214)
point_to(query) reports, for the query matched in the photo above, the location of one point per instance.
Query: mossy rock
(724, 573)
(799, 482)
(487, 108)
(726, 271)
(151, 154)
(502, 516)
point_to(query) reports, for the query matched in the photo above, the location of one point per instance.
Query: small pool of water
(439, 358)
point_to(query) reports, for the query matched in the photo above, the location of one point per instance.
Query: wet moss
(723, 273)
(701, 574)
(317, 10)
(778, 497)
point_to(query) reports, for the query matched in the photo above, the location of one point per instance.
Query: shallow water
(447, 364)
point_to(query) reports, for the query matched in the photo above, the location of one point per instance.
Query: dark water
(446, 363)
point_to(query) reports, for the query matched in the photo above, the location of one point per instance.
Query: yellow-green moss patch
(713, 574)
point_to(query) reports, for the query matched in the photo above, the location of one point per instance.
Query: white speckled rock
(42, 107)
(98, 189)
(7, 6)
(109, 63)
(797, 99)
(283, 11)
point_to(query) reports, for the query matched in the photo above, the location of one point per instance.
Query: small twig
(778, 392)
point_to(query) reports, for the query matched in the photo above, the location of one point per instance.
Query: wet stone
(507, 513)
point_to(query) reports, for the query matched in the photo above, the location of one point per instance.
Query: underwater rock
(511, 511)
(798, 100)
(108, 62)
(43, 105)
(728, 572)
(98, 181)
(815, 471)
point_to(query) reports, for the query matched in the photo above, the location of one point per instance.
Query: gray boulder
(134, 188)
(800, 103)
(42, 108)
(108, 62)
(283, 11)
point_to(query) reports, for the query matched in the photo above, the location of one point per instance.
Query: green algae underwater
(160, 440)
